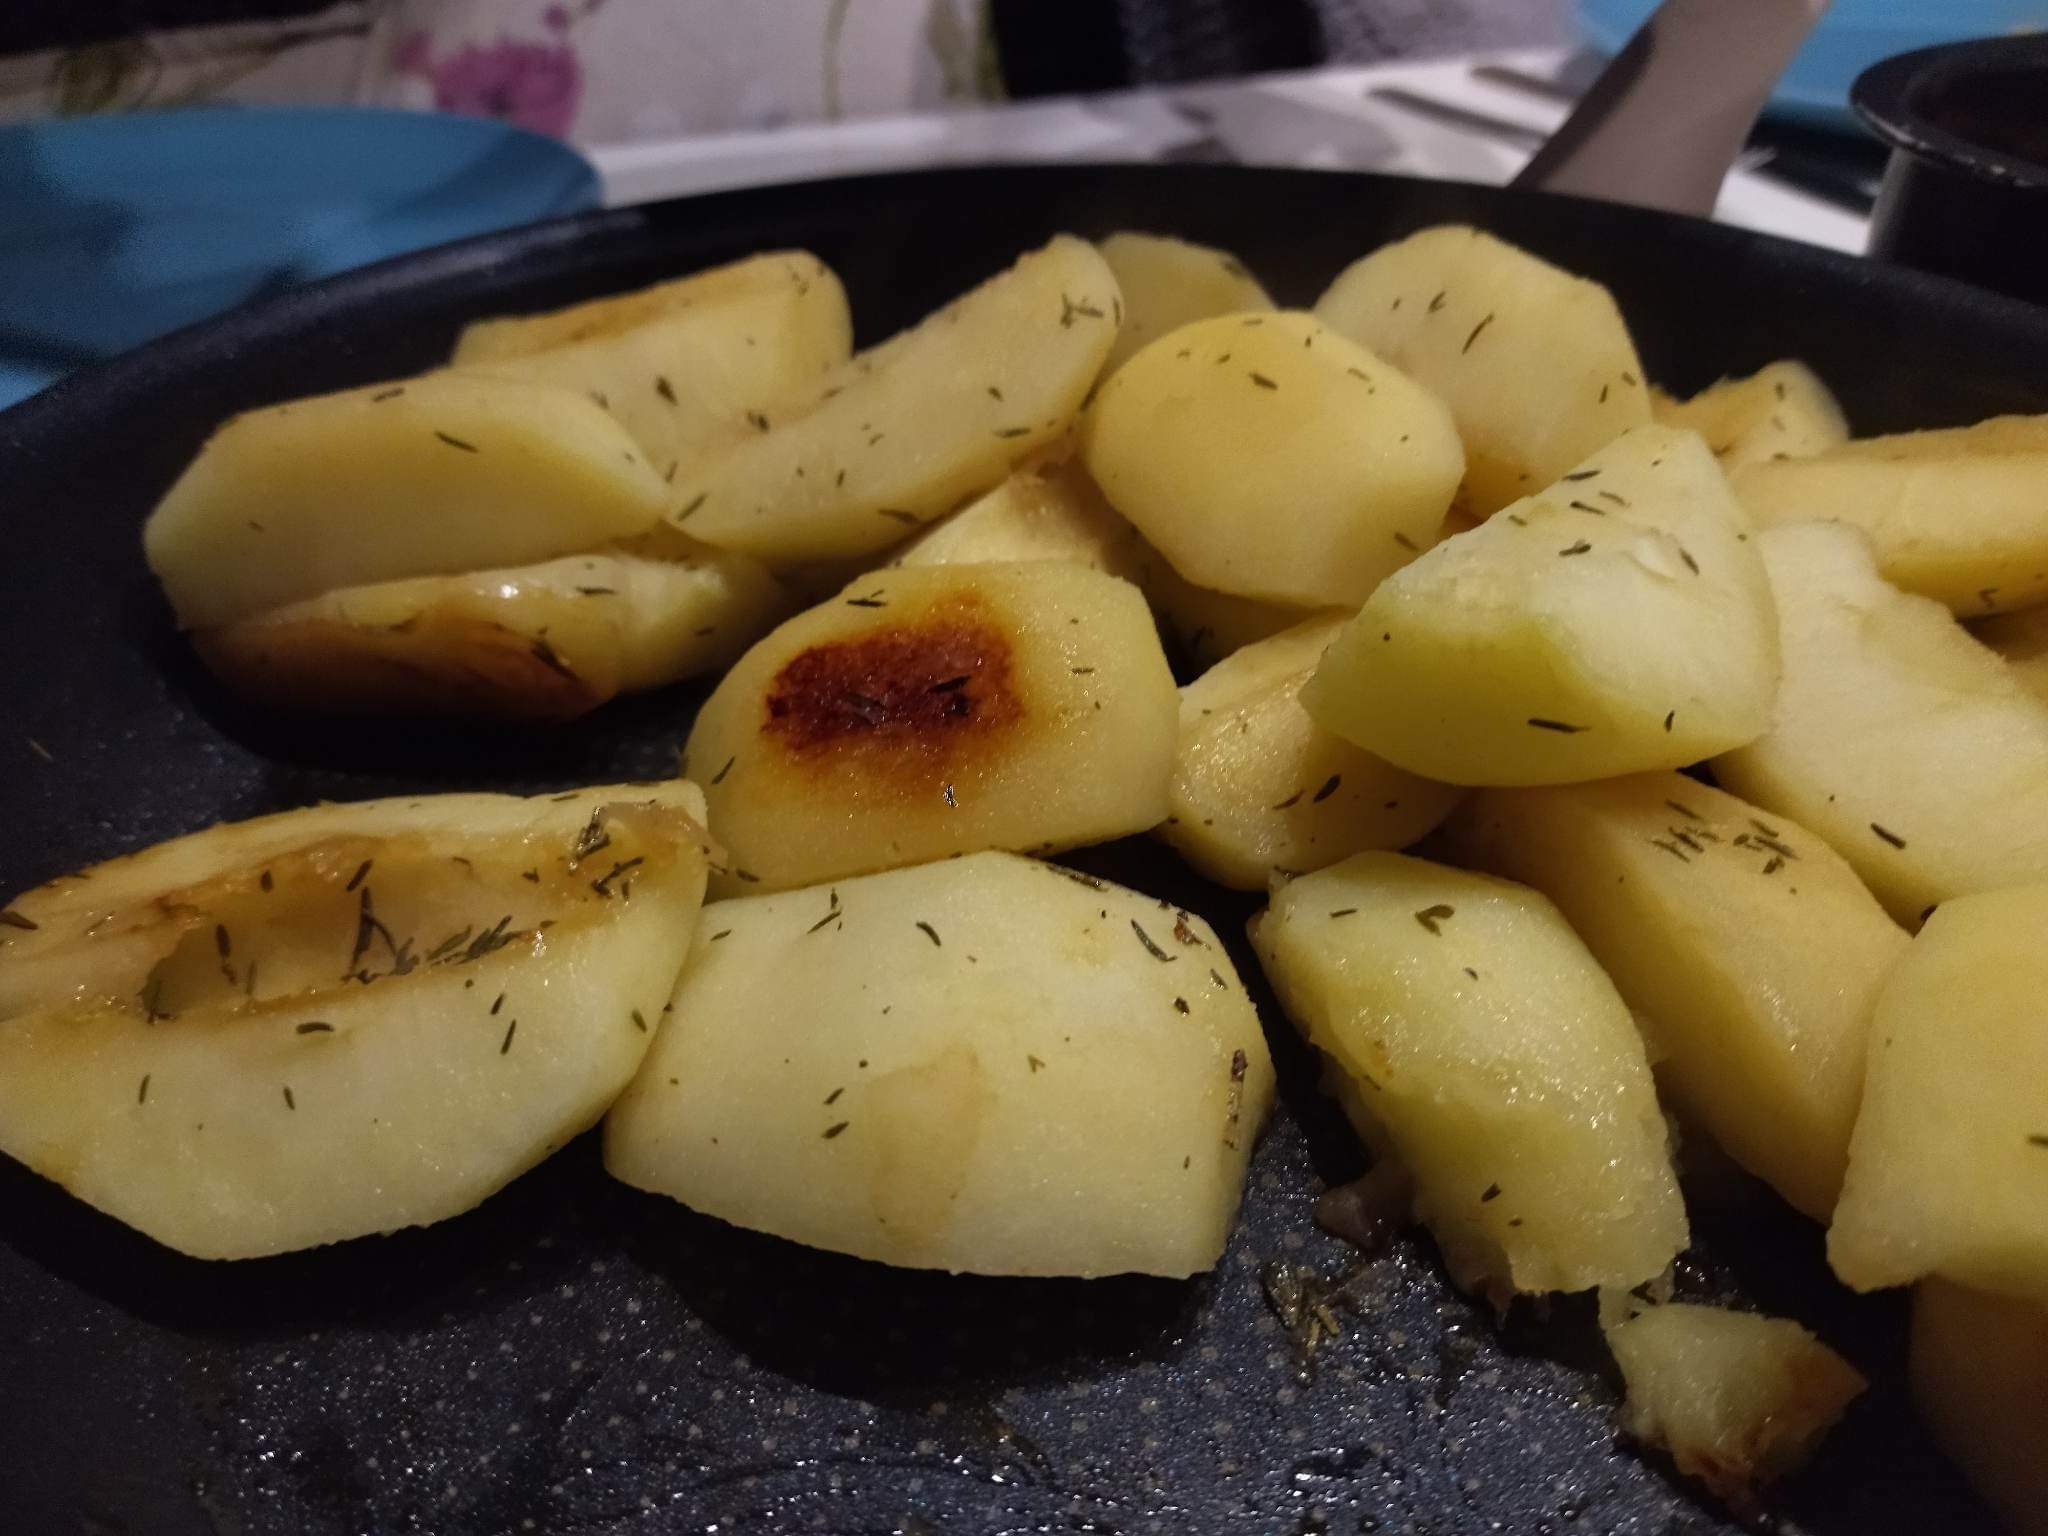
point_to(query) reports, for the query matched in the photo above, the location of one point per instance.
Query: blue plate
(1853, 35)
(117, 229)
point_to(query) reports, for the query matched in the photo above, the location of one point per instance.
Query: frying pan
(575, 1356)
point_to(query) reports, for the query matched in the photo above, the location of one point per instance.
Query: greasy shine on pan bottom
(575, 1356)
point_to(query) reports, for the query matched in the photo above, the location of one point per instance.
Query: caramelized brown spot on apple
(905, 701)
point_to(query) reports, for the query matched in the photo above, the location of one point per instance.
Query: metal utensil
(1669, 114)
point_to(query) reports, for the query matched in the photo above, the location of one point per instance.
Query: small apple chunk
(1737, 1399)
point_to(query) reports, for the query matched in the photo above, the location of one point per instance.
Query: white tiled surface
(1327, 118)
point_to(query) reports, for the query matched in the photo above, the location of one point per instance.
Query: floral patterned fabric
(586, 70)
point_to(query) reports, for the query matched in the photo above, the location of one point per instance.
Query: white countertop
(1332, 118)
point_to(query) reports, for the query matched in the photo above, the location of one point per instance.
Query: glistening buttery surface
(594, 1360)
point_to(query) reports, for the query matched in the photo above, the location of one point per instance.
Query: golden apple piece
(1617, 622)
(1167, 282)
(1738, 1400)
(682, 366)
(345, 1020)
(1947, 1163)
(1269, 456)
(1261, 792)
(935, 710)
(1473, 1038)
(1782, 411)
(1898, 737)
(538, 642)
(1748, 950)
(909, 430)
(1978, 1363)
(428, 477)
(1959, 515)
(985, 1064)
(1536, 364)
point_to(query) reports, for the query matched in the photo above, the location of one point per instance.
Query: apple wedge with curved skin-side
(683, 366)
(536, 642)
(935, 710)
(1959, 514)
(426, 477)
(984, 1064)
(345, 1020)
(907, 431)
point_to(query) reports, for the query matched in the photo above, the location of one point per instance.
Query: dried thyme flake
(1430, 916)
(1151, 948)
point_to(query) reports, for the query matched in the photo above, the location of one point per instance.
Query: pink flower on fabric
(536, 85)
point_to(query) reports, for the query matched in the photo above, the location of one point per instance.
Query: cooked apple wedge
(1260, 791)
(1749, 952)
(430, 477)
(1204, 626)
(1978, 1363)
(682, 366)
(1782, 411)
(1535, 364)
(1046, 509)
(2022, 639)
(1268, 456)
(914, 427)
(1959, 515)
(1167, 282)
(1474, 1039)
(985, 1064)
(937, 710)
(1897, 737)
(1618, 622)
(535, 642)
(503, 338)
(344, 1020)
(1738, 1400)
(1945, 1169)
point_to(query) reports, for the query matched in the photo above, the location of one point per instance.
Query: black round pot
(1966, 190)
